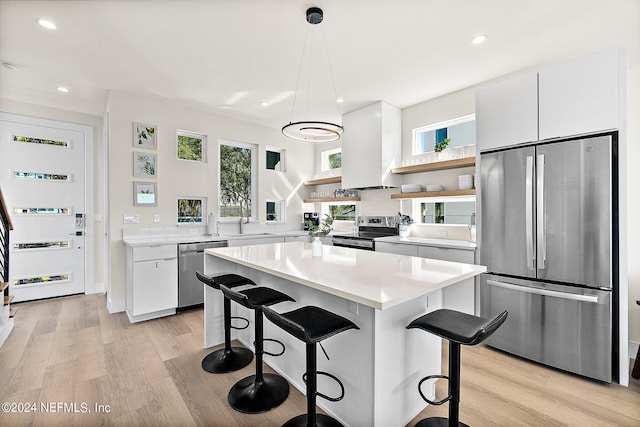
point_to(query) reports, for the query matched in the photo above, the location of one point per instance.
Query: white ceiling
(226, 56)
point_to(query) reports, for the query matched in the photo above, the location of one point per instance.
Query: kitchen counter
(151, 240)
(381, 363)
(421, 241)
(378, 280)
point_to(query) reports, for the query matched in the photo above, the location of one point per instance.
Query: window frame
(203, 201)
(283, 158)
(203, 147)
(254, 180)
(324, 162)
(283, 211)
(415, 133)
(415, 207)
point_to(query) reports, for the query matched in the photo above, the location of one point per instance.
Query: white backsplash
(449, 232)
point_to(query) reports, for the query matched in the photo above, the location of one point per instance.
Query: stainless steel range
(369, 228)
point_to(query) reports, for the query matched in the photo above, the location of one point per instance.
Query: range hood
(371, 146)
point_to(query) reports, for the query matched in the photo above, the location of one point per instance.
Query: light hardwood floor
(70, 350)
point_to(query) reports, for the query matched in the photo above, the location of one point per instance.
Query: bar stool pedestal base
(437, 422)
(253, 397)
(223, 360)
(321, 421)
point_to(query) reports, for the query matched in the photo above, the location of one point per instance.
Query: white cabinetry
(572, 98)
(507, 113)
(305, 238)
(151, 281)
(579, 96)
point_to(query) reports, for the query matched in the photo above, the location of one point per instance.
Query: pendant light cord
(295, 94)
(333, 80)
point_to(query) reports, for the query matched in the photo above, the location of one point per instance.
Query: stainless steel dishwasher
(190, 260)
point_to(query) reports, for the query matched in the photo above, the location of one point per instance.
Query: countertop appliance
(190, 260)
(369, 227)
(549, 241)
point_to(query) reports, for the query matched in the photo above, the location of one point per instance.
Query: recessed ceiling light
(8, 66)
(339, 100)
(478, 39)
(63, 89)
(46, 24)
(264, 103)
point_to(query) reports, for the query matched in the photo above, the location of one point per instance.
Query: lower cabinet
(397, 248)
(151, 281)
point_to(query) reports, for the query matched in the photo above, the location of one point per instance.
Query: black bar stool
(260, 392)
(458, 328)
(312, 325)
(227, 359)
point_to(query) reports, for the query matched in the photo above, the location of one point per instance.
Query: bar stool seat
(260, 392)
(227, 359)
(312, 325)
(459, 329)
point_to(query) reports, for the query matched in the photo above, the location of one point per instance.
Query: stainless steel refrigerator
(549, 239)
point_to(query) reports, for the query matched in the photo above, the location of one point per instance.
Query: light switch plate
(156, 217)
(131, 219)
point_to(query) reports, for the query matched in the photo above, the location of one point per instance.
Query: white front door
(42, 174)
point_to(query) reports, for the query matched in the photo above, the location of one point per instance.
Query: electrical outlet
(156, 217)
(442, 233)
(193, 231)
(131, 219)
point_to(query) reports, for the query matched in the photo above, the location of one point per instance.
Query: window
(41, 176)
(237, 180)
(275, 211)
(275, 159)
(332, 159)
(460, 132)
(18, 138)
(191, 210)
(343, 212)
(443, 211)
(191, 146)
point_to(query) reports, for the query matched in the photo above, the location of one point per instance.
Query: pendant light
(312, 130)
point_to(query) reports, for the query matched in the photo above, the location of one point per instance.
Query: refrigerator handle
(541, 232)
(529, 213)
(545, 292)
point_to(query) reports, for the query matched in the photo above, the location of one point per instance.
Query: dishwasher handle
(545, 292)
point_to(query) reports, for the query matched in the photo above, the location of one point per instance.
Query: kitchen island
(380, 364)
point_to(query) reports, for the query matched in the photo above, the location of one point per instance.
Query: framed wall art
(144, 136)
(145, 193)
(145, 164)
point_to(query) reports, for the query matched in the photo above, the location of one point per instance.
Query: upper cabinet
(572, 98)
(579, 96)
(507, 113)
(371, 146)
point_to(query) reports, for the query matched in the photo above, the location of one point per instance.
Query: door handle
(544, 292)
(540, 231)
(529, 212)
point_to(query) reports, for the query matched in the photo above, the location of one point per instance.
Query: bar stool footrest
(437, 422)
(439, 402)
(324, 396)
(239, 328)
(269, 353)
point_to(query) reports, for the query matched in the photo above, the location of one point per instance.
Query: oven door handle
(545, 292)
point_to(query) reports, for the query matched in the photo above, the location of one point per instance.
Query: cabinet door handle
(156, 264)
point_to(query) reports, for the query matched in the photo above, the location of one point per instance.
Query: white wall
(187, 178)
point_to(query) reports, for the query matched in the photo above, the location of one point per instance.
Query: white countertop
(422, 241)
(378, 280)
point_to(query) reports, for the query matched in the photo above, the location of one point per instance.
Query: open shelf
(434, 194)
(332, 199)
(7, 300)
(3, 286)
(12, 312)
(329, 180)
(436, 166)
